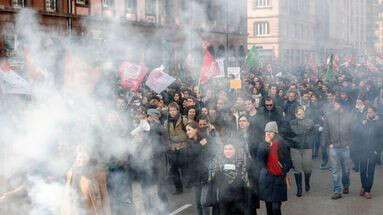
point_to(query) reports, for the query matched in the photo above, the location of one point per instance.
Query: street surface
(316, 202)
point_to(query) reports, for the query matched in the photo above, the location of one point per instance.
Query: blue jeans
(324, 151)
(316, 143)
(340, 168)
(367, 170)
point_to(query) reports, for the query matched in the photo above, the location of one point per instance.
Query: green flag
(253, 59)
(330, 68)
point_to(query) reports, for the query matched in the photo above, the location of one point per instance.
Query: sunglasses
(269, 105)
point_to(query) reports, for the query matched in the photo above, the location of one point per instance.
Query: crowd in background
(233, 147)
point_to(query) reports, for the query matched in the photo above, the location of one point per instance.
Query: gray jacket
(303, 130)
(338, 129)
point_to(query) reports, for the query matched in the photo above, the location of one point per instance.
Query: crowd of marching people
(232, 147)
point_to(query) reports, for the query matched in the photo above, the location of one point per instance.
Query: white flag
(12, 83)
(221, 65)
(158, 80)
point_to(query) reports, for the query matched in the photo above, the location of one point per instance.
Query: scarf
(273, 164)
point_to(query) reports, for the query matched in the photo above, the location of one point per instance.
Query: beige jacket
(94, 199)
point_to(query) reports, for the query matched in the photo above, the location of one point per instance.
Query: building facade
(296, 32)
(176, 27)
(379, 29)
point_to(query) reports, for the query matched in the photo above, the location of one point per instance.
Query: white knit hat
(271, 127)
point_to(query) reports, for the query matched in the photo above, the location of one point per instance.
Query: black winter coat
(289, 110)
(314, 112)
(257, 127)
(200, 156)
(273, 188)
(369, 135)
(230, 176)
(338, 128)
(272, 115)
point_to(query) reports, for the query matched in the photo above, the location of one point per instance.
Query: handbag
(209, 194)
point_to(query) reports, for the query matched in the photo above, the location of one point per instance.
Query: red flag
(210, 66)
(132, 75)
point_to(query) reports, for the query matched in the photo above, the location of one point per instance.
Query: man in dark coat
(256, 120)
(338, 134)
(359, 113)
(290, 106)
(270, 112)
(369, 135)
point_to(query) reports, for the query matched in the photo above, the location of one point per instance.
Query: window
(209, 11)
(221, 51)
(131, 6)
(51, 5)
(108, 3)
(261, 28)
(18, 3)
(150, 7)
(82, 2)
(262, 3)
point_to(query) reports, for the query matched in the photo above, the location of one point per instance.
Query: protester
(158, 137)
(273, 93)
(338, 134)
(274, 157)
(368, 133)
(314, 112)
(359, 112)
(248, 143)
(190, 133)
(256, 120)
(229, 171)
(201, 149)
(177, 147)
(290, 106)
(88, 180)
(271, 113)
(301, 150)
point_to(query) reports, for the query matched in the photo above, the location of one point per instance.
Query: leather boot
(307, 181)
(298, 181)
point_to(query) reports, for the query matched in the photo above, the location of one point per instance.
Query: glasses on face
(268, 105)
